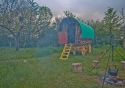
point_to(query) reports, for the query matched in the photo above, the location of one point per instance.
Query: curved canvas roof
(87, 31)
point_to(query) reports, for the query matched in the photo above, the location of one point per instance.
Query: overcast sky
(86, 9)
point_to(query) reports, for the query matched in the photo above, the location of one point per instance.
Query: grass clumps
(42, 68)
(26, 53)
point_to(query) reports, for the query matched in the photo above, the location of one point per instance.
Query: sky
(86, 9)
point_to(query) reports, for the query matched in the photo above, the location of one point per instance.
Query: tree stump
(77, 67)
(95, 64)
(123, 64)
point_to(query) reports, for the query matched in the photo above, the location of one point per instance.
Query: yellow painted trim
(89, 48)
(83, 50)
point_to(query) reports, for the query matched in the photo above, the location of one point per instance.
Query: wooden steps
(66, 51)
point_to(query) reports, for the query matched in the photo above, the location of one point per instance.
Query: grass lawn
(42, 68)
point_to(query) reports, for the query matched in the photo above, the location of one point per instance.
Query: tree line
(23, 23)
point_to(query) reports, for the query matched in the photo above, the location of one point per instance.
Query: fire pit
(111, 80)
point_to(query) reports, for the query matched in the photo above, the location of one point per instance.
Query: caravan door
(62, 36)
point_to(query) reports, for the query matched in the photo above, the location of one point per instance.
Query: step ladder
(66, 51)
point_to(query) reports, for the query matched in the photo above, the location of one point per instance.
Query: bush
(48, 38)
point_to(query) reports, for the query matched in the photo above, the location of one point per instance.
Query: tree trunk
(17, 43)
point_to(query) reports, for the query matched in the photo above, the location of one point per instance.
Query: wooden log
(76, 67)
(95, 64)
(123, 64)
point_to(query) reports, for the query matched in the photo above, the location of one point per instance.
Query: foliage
(56, 22)
(30, 36)
(15, 16)
(33, 26)
(112, 24)
(49, 38)
(24, 20)
(101, 35)
(70, 14)
(6, 38)
(44, 17)
(107, 29)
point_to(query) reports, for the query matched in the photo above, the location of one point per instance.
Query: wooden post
(123, 64)
(74, 52)
(95, 64)
(77, 67)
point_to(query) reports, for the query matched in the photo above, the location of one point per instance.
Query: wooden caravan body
(74, 31)
(77, 33)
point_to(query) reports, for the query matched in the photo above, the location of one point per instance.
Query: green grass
(27, 53)
(42, 68)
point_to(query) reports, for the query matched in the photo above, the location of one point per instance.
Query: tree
(56, 22)
(100, 33)
(112, 24)
(40, 22)
(43, 20)
(49, 38)
(70, 14)
(6, 38)
(15, 15)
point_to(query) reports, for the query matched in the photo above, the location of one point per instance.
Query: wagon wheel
(89, 48)
(83, 50)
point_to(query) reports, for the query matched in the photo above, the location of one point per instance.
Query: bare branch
(8, 30)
